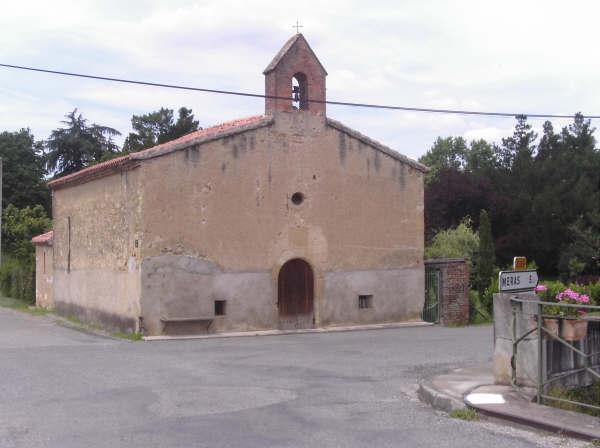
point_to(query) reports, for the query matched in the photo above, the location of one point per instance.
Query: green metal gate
(431, 308)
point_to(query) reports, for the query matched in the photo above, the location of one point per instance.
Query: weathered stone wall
(96, 264)
(228, 204)
(454, 290)
(43, 276)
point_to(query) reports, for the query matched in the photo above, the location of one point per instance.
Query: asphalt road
(64, 388)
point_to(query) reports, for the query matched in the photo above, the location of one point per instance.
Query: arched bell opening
(300, 91)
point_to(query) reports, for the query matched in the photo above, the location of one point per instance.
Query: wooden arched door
(295, 291)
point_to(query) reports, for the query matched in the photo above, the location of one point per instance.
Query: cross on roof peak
(297, 26)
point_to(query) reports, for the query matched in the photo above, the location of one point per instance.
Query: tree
(73, 148)
(446, 153)
(582, 255)
(459, 242)
(17, 273)
(158, 127)
(23, 171)
(487, 257)
(454, 195)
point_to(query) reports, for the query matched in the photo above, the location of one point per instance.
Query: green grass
(588, 395)
(22, 306)
(468, 414)
(128, 336)
(30, 308)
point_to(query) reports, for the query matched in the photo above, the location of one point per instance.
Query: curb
(286, 332)
(438, 400)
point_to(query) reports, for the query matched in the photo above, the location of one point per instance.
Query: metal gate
(431, 308)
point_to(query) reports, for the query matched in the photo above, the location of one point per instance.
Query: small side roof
(44, 238)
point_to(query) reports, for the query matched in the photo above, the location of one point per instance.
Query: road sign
(519, 263)
(517, 280)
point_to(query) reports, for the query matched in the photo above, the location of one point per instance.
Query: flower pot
(574, 329)
(551, 325)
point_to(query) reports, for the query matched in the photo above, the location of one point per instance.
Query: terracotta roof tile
(109, 165)
(205, 132)
(44, 238)
(286, 47)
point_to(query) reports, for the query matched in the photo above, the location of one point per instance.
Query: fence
(563, 357)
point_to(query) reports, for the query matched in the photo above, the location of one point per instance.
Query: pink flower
(584, 298)
(540, 288)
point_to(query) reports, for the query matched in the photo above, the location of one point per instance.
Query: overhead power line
(257, 95)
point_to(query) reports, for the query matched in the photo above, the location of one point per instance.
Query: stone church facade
(284, 220)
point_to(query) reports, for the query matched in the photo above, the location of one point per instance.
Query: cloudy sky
(503, 56)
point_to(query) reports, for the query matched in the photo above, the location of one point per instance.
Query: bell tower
(297, 74)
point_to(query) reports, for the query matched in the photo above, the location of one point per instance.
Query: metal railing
(536, 318)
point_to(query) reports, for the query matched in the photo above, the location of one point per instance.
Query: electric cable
(257, 95)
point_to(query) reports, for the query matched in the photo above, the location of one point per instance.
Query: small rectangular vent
(365, 301)
(220, 307)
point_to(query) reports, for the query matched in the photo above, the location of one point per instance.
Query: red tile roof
(44, 238)
(286, 47)
(110, 165)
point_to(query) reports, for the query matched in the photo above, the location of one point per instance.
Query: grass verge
(588, 395)
(78, 324)
(468, 414)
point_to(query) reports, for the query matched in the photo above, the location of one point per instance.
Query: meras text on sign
(517, 280)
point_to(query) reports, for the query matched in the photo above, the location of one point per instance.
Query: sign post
(513, 281)
(519, 263)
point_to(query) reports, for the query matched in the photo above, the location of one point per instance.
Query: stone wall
(43, 275)
(95, 257)
(454, 290)
(297, 188)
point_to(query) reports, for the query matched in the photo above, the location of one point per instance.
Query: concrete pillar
(527, 354)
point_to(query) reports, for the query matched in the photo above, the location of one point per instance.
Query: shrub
(17, 279)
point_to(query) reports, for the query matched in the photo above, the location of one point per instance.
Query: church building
(278, 221)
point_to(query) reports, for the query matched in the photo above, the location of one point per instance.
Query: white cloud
(510, 56)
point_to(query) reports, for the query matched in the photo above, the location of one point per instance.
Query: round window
(297, 198)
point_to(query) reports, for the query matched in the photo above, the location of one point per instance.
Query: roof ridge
(109, 165)
(377, 145)
(286, 47)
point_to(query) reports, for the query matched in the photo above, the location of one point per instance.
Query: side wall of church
(221, 218)
(43, 276)
(96, 273)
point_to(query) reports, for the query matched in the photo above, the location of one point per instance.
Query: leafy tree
(517, 150)
(73, 148)
(534, 194)
(446, 153)
(487, 257)
(454, 195)
(482, 159)
(17, 273)
(459, 242)
(582, 255)
(23, 172)
(159, 127)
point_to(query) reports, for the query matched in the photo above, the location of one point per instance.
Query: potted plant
(574, 328)
(550, 313)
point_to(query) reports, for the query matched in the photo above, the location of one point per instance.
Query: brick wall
(454, 290)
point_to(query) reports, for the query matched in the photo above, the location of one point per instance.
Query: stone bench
(204, 322)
